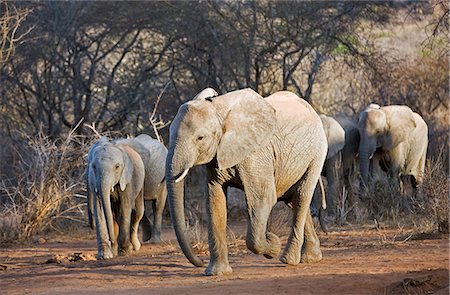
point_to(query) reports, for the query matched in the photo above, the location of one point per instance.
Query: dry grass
(435, 198)
(48, 188)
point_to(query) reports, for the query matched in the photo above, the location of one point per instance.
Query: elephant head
(226, 129)
(382, 128)
(109, 167)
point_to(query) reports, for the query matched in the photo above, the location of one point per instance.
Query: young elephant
(153, 154)
(115, 176)
(343, 143)
(273, 148)
(393, 139)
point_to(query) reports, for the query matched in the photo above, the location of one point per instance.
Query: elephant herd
(274, 149)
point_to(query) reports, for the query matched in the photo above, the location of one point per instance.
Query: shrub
(47, 188)
(436, 194)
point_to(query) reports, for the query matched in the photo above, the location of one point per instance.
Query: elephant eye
(200, 138)
(117, 166)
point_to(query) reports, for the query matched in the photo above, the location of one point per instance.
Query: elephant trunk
(90, 200)
(364, 164)
(175, 196)
(107, 210)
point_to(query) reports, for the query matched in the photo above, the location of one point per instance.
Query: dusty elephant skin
(394, 139)
(115, 178)
(153, 154)
(343, 143)
(273, 148)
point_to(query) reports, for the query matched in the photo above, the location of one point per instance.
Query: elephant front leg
(217, 227)
(125, 246)
(137, 216)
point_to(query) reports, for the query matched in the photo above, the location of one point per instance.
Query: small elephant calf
(122, 174)
(115, 176)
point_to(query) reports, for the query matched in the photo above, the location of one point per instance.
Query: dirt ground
(356, 261)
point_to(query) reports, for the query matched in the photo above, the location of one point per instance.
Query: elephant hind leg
(158, 209)
(303, 228)
(418, 171)
(311, 247)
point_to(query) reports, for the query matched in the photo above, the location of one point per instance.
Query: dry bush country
(72, 70)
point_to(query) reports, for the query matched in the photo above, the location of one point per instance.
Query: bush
(47, 188)
(436, 194)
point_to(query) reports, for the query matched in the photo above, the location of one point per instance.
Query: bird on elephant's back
(273, 148)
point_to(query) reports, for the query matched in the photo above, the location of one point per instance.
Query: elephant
(153, 154)
(343, 143)
(336, 140)
(115, 175)
(272, 148)
(393, 139)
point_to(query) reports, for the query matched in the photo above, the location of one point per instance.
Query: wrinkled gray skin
(393, 139)
(343, 143)
(336, 140)
(272, 148)
(349, 154)
(153, 154)
(115, 177)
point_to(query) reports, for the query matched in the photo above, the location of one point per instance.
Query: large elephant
(394, 139)
(115, 177)
(153, 154)
(272, 148)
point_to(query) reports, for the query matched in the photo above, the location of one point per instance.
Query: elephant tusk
(112, 189)
(182, 176)
(371, 156)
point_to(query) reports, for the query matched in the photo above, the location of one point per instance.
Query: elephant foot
(105, 253)
(125, 251)
(291, 257)
(155, 240)
(311, 251)
(311, 256)
(274, 246)
(115, 249)
(269, 247)
(218, 269)
(136, 244)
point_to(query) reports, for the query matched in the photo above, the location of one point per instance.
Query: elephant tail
(323, 208)
(324, 201)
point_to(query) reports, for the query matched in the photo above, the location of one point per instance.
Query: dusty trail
(360, 261)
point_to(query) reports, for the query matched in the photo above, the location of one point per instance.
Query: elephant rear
(417, 156)
(302, 137)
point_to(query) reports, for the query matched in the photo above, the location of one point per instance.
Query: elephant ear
(248, 125)
(127, 172)
(400, 122)
(205, 94)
